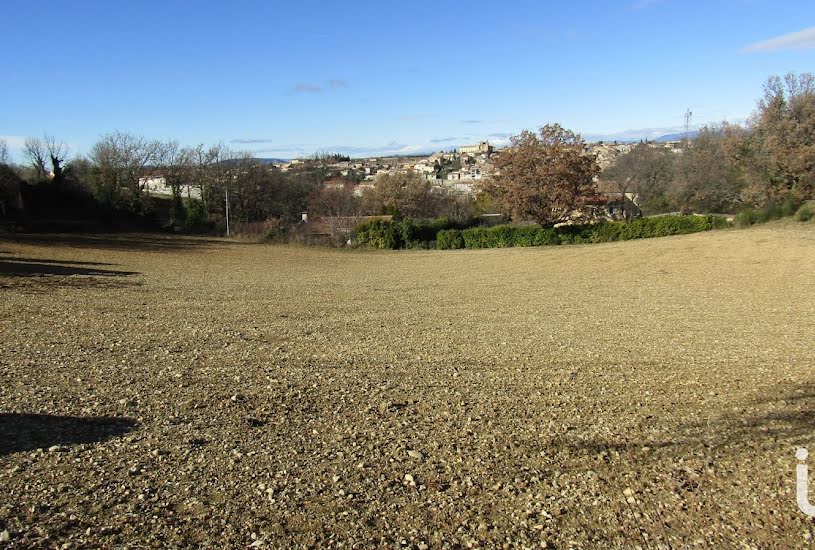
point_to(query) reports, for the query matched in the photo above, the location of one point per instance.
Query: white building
(157, 186)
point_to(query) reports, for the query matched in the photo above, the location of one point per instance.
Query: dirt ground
(166, 392)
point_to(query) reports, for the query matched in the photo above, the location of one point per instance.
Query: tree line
(727, 167)
(113, 183)
(544, 177)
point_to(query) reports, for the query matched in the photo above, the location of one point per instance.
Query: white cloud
(800, 40)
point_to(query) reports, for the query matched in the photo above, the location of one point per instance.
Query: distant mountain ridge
(269, 160)
(677, 137)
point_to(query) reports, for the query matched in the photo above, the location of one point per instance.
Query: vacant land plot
(167, 391)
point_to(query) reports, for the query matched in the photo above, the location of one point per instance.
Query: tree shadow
(29, 267)
(26, 432)
(11, 257)
(110, 241)
(788, 417)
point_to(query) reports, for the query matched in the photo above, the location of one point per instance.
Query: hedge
(449, 239)
(392, 235)
(502, 236)
(449, 234)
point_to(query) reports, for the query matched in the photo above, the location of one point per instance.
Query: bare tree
(645, 171)
(37, 154)
(58, 154)
(122, 160)
(4, 156)
(408, 195)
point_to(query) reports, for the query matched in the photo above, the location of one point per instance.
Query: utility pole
(227, 211)
(688, 122)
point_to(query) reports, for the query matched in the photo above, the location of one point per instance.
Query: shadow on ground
(29, 267)
(26, 432)
(786, 418)
(43, 261)
(130, 241)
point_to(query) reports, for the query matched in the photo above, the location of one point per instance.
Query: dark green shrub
(476, 237)
(382, 234)
(607, 232)
(746, 218)
(449, 239)
(769, 213)
(804, 214)
(545, 237)
(406, 233)
(790, 206)
(527, 235)
(196, 216)
(575, 234)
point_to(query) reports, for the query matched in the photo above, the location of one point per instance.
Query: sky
(288, 79)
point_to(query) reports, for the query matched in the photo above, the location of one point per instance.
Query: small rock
(628, 493)
(5, 536)
(415, 454)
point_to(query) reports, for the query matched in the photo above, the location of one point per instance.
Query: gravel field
(182, 392)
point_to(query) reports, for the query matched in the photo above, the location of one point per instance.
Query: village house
(157, 186)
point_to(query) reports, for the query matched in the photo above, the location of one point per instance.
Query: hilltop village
(457, 171)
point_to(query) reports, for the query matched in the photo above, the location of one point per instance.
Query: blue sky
(359, 77)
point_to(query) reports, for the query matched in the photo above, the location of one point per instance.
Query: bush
(534, 235)
(661, 226)
(804, 214)
(382, 234)
(746, 218)
(412, 234)
(273, 230)
(449, 239)
(790, 206)
(392, 235)
(196, 216)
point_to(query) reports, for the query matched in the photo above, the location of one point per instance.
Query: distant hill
(269, 160)
(677, 137)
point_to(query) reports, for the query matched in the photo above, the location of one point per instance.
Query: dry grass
(270, 394)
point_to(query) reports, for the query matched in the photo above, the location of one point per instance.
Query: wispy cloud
(501, 135)
(472, 121)
(311, 88)
(249, 141)
(306, 88)
(447, 139)
(800, 40)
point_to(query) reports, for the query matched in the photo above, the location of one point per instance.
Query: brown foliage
(781, 144)
(335, 198)
(407, 195)
(543, 178)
